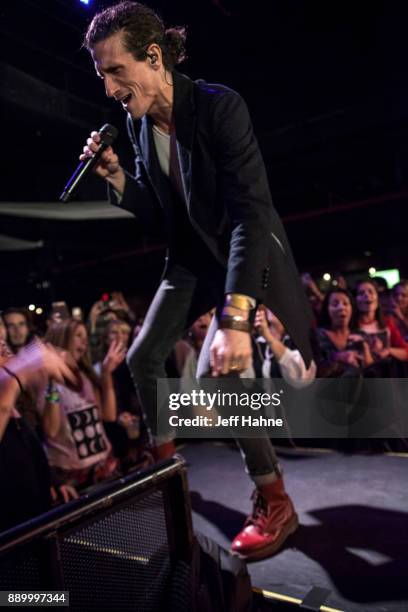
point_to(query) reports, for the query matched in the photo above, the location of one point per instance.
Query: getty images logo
(210, 401)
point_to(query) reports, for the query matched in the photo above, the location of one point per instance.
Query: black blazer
(228, 199)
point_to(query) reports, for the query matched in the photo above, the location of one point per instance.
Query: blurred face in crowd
(367, 298)
(78, 343)
(340, 310)
(3, 331)
(200, 327)
(17, 329)
(341, 281)
(401, 297)
(120, 332)
(4, 349)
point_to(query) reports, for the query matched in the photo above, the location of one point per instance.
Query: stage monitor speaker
(114, 549)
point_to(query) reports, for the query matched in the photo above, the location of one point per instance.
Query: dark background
(327, 88)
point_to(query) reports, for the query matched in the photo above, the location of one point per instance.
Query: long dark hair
(325, 320)
(141, 27)
(60, 335)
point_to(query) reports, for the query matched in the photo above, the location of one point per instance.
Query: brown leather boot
(272, 520)
(164, 451)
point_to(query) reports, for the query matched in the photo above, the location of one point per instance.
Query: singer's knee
(134, 359)
(143, 362)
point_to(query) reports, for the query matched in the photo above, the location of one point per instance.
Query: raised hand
(114, 357)
(261, 323)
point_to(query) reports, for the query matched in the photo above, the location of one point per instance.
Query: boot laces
(260, 510)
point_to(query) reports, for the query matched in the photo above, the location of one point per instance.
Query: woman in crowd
(343, 353)
(25, 479)
(118, 332)
(275, 356)
(399, 308)
(128, 435)
(100, 315)
(73, 418)
(380, 332)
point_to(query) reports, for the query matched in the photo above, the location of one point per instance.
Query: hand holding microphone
(98, 157)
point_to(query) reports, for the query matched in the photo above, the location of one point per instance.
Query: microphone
(108, 133)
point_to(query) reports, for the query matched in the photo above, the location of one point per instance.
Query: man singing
(199, 171)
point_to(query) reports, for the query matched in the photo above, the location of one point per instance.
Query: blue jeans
(181, 298)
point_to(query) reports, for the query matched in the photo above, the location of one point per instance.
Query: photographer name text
(231, 421)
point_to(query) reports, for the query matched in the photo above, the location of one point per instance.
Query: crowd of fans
(69, 413)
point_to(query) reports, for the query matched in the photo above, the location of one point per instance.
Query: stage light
(39, 311)
(392, 276)
(372, 271)
(326, 277)
(31, 307)
(84, 1)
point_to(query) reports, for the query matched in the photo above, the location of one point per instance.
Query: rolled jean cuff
(264, 479)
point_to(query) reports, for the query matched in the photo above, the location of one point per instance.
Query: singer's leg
(258, 454)
(163, 326)
(179, 300)
(273, 518)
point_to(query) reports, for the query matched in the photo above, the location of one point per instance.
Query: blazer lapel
(151, 161)
(184, 116)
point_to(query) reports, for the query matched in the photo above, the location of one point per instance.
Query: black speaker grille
(120, 561)
(21, 570)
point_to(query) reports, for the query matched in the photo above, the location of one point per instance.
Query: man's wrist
(235, 322)
(231, 311)
(240, 301)
(117, 181)
(235, 314)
